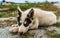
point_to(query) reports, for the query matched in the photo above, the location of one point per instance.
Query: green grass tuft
(57, 24)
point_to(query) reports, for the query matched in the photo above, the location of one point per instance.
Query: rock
(12, 18)
(58, 20)
(57, 30)
(2, 19)
(38, 33)
(7, 21)
(3, 24)
(4, 33)
(51, 28)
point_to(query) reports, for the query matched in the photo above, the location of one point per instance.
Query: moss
(1, 14)
(56, 35)
(50, 32)
(27, 35)
(57, 24)
(53, 34)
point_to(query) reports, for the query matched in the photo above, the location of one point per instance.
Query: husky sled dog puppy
(33, 17)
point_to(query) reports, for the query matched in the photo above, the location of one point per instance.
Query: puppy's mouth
(20, 33)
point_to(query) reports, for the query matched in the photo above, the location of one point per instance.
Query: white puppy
(33, 17)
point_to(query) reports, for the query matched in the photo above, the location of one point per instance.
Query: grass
(45, 6)
(1, 15)
(57, 36)
(57, 24)
(8, 14)
(27, 35)
(50, 33)
(53, 34)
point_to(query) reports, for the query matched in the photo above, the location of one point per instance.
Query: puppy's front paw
(13, 29)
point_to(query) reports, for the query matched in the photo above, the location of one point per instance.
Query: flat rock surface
(4, 33)
(38, 33)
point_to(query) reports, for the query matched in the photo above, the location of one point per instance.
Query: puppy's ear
(19, 11)
(31, 13)
(19, 15)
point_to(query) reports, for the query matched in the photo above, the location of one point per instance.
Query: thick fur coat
(35, 17)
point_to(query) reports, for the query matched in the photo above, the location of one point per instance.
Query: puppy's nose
(21, 33)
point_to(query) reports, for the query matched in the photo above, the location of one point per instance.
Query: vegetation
(0, 14)
(57, 24)
(57, 36)
(13, 7)
(53, 34)
(8, 14)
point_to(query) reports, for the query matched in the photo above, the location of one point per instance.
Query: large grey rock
(37, 33)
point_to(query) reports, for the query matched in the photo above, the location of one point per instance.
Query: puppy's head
(24, 20)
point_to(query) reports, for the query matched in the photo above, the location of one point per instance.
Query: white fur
(40, 17)
(14, 28)
(22, 28)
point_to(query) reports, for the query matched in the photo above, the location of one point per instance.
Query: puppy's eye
(28, 21)
(25, 22)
